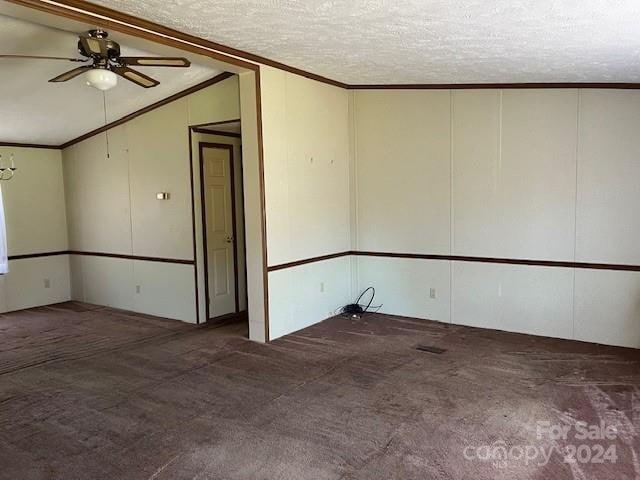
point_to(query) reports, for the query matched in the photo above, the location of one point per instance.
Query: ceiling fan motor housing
(108, 48)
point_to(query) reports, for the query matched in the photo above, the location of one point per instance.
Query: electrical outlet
(432, 293)
(137, 288)
(321, 287)
(47, 283)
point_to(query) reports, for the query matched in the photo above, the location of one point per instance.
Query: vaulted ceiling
(421, 41)
(32, 110)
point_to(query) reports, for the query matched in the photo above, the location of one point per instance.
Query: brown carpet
(94, 393)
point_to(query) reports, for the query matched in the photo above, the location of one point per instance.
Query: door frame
(203, 210)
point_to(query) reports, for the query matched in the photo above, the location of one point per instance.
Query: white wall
(402, 285)
(303, 295)
(112, 206)
(513, 188)
(608, 217)
(36, 223)
(403, 150)
(523, 174)
(514, 171)
(607, 303)
(306, 159)
(253, 207)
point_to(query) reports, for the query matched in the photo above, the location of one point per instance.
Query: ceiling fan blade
(38, 57)
(71, 74)
(136, 77)
(93, 46)
(156, 61)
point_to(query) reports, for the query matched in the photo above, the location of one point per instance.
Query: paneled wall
(516, 174)
(36, 223)
(306, 157)
(513, 160)
(391, 130)
(112, 207)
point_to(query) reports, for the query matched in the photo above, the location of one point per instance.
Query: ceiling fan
(107, 63)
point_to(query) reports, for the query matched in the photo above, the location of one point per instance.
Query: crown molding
(505, 86)
(29, 145)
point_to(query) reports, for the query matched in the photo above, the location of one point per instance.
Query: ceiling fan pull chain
(106, 131)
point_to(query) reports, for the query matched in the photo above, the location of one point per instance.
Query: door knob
(229, 239)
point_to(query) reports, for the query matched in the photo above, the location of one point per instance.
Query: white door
(219, 219)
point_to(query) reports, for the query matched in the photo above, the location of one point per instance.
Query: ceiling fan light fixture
(107, 63)
(102, 79)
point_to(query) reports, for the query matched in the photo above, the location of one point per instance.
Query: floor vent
(430, 349)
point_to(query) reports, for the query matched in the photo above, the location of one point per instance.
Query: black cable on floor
(359, 310)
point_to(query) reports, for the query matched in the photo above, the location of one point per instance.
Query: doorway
(222, 221)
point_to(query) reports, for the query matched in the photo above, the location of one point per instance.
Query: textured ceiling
(35, 111)
(421, 41)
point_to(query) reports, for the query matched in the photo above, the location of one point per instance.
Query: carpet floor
(94, 393)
